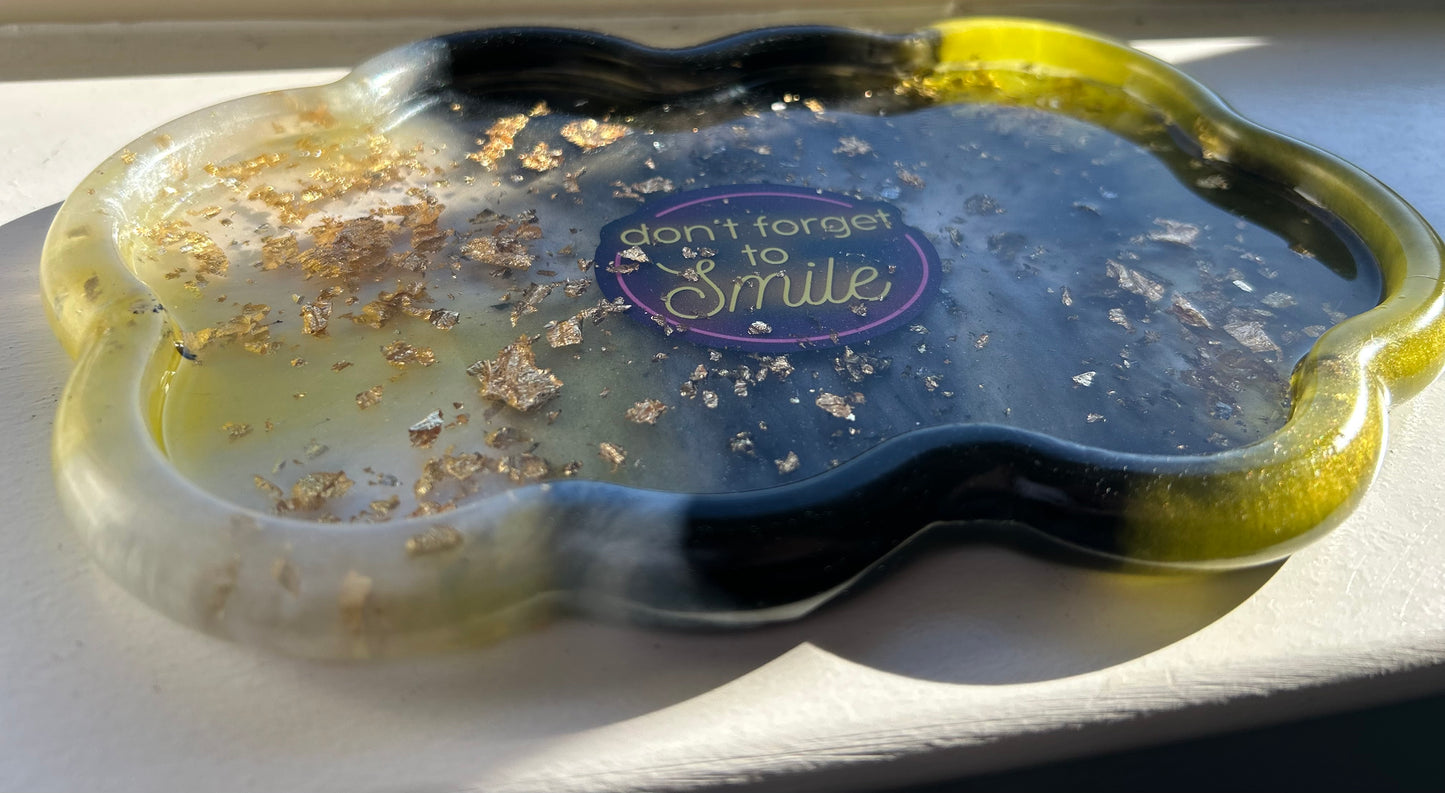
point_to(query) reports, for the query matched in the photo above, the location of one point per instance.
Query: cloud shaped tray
(521, 317)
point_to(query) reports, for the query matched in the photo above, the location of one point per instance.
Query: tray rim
(1343, 386)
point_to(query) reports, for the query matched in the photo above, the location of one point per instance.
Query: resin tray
(514, 318)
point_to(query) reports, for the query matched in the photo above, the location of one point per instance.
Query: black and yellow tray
(701, 336)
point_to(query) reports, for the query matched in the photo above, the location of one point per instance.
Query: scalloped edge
(1227, 509)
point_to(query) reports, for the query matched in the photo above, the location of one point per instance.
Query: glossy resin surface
(702, 335)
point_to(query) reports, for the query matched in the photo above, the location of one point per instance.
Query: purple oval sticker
(768, 267)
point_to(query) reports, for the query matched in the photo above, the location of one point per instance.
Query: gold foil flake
(347, 250)
(313, 490)
(589, 134)
(319, 116)
(981, 342)
(277, 252)
(315, 317)
(1093, 418)
(425, 432)
(513, 377)
(648, 411)
(340, 365)
(411, 261)
(400, 354)
(911, 179)
(1134, 281)
(423, 220)
(443, 319)
(405, 299)
(656, 184)
(1085, 379)
(603, 309)
(628, 261)
(575, 287)
(1118, 317)
(437, 539)
(709, 399)
(362, 167)
(564, 333)
(850, 146)
(236, 430)
(500, 138)
(1066, 297)
(1252, 335)
(369, 397)
(856, 366)
(542, 158)
(269, 488)
(460, 469)
(779, 366)
(539, 109)
(741, 443)
(532, 296)
(569, 180)
(380, 509)
(1180, 307)
(1174, 231)
(612, 454)
(506, 245)
(570, 470)
(788, 464)
(245, 169)
(207, 257)
(502, 437)
(1278, 300)
(759, 328)
(835, 405)
(249, 327)
(813, 105)
(298, 361)
(524, 468)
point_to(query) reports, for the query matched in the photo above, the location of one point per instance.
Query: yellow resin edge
(1262, 501)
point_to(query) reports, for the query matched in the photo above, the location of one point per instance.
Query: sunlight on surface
(1186, 50)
